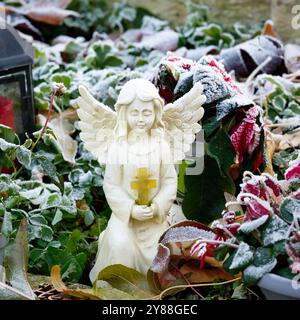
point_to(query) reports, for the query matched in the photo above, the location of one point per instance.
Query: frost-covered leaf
(57, 218)
(24, 156)
(32, 194)
(264, 262)
(214, 86)
(226, 106)
(252, 274)
(16, 259)
(274, 230)
(250, 226)
(242, 257)
(290, 208)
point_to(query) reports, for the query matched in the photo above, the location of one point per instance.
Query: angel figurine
(139, 143)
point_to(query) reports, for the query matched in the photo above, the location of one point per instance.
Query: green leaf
(16, 260)
(279, 102)
(289, 208)
(57, 218)
(198, 203)
(24, 156)
(73, 241)
(112, 61)
(242, 257)
(7, 227)
(220, 148)
(264, 262)
(274, 230)
(252, 274)
(89, 217)
(240, 292)
(249, 226)
(127, 280)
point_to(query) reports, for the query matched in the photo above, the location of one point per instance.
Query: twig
(256, 71)
(162, 294)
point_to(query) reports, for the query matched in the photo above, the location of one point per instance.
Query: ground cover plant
(51, 196)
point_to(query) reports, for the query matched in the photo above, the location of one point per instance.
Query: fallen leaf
(196, 275)
(16, 260)
(45, 11)
(102, 293)
(268, 29)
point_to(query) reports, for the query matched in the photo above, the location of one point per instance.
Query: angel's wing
(181, 121)
(96, 125)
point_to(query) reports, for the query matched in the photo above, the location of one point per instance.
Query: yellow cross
(143, 185)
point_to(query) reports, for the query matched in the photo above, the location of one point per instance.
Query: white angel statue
(139, 143)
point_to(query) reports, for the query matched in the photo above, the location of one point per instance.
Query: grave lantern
(16, 95)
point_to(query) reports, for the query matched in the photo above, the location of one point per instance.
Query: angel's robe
(128, 241)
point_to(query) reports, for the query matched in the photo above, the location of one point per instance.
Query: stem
(11, 161)
(46, 123)
(41, 132)
(220, 242)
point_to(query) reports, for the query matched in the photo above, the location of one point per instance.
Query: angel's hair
(145, 91)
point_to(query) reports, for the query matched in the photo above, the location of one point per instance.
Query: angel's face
(140, 115)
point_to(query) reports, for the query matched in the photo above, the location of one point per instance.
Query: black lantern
(16, 96)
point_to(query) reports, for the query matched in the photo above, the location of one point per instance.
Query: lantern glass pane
(11, 105)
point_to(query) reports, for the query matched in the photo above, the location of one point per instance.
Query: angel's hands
(141, 213)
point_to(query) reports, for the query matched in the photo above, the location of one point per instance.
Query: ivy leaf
(24, 156)
(289, 208)
(57, 218)
(264, 262)
(249, 226)
(242, 257)
(274, 230)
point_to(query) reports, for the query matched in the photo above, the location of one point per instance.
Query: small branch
(220, 242)
(256, 71)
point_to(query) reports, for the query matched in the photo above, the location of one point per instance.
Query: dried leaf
(290, 140)
(118, 279)
(126, 280)
(45, 11)
(16, 262)
(268, 29)
(197, 275)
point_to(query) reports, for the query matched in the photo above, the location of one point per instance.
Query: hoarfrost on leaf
(253, 273)
(250, 226)
(242, 257)
(274, 231)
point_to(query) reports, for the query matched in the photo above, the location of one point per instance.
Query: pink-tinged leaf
(273, 184)
(293, 171)
(256, 207)
(295, 267)
(229, 216)
(245, 136)
(253, 184)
